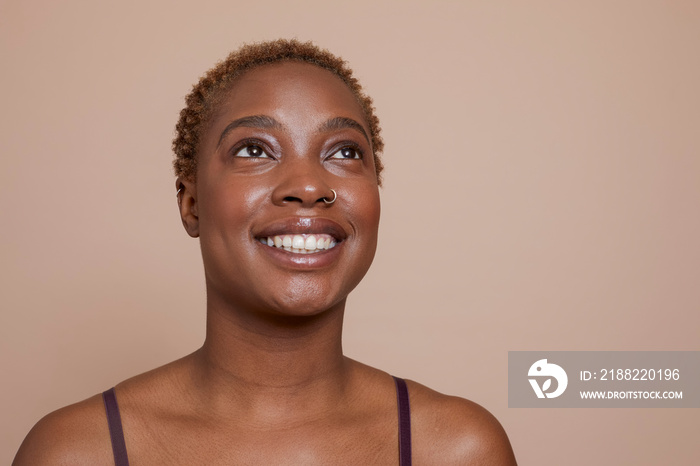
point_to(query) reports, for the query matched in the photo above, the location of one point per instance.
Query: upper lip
(303, 226)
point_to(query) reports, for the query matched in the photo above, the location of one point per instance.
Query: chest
(373, 441)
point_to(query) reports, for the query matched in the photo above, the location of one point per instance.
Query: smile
(300, 244)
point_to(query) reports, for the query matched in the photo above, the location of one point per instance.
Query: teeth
(309, 244)
(300, 244)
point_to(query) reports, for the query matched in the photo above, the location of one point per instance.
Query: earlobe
(187, 204)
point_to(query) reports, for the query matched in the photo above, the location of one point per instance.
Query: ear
(187, 203)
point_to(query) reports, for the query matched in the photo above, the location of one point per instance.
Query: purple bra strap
(404, 422)
(116, 433)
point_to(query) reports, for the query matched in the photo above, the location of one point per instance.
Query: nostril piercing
(335, 196)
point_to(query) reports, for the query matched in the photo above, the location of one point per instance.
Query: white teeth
(310, 243)
(300, 244)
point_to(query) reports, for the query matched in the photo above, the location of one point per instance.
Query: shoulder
(451, 430)
(79, 434)
(75, 435)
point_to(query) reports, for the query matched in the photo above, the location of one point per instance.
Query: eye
(347, 153)
(251, 151)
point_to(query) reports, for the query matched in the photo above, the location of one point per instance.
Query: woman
(277, 175)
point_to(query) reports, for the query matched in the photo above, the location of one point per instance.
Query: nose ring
(335, 196)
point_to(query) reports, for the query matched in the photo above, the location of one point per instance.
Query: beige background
(542, 192)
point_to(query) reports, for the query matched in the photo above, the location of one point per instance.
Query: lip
(301, 226)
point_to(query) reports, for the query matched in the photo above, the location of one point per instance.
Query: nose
(303, 184)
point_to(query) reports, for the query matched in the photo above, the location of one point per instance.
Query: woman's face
(279, 141)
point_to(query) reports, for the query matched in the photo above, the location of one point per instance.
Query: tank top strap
(404, 422)
(116, 433)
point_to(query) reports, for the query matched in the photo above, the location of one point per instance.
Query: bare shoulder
(79, 434)
(451, 430)
(75, 435)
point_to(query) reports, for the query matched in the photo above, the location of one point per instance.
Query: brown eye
(346, 153)
(251, 151)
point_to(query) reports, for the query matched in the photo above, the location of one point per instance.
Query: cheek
(225, 211)
(374, 211)
(371, 204)
(365, 214)
(366, 209)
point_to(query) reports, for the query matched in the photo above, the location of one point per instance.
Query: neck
(270, 365)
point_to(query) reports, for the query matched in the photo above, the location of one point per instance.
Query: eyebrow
(254, 121)
(343, 123)
(266, 122)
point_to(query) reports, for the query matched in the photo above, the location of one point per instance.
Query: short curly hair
(205, 95)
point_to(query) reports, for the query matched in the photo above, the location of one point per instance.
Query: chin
(305, 304)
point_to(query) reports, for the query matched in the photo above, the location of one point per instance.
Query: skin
(270, 385)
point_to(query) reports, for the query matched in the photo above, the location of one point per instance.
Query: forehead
(289, 90)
